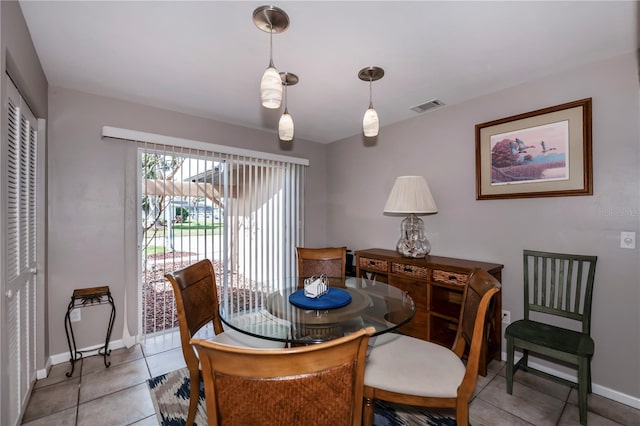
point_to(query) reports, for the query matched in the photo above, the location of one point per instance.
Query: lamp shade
(410, 194)
(271, 89)
(285, 127)
(370, 123)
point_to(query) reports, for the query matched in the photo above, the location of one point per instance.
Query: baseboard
(597, 389)
(43, 373)
(64, 357)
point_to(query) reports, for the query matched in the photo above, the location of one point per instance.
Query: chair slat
(576, 307)
(561, 284)
(568, 287)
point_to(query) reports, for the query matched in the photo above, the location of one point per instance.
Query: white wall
(91, 237)
(440, 145)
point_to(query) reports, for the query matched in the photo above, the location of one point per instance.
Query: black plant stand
(82, 298)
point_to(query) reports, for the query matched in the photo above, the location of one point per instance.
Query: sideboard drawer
(448, 277)
(413, 271)
(374, 264)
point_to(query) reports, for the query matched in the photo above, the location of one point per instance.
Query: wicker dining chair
(411, 371)
(316, 385)
(555, 285)
(196, 297)
(330, 261)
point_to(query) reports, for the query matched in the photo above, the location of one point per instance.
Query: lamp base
(413, 242)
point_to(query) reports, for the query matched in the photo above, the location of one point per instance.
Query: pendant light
(370, 122)
(285, 125)
(271, 19)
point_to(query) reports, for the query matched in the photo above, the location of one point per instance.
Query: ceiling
(205, 58)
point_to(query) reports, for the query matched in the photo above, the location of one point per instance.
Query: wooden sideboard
(436, 285)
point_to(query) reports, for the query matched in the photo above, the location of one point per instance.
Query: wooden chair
(411, 371)
(196, 297)
(331, 261)
(561, 285)
(310, 385)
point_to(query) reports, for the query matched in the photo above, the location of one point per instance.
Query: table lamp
(411, 195)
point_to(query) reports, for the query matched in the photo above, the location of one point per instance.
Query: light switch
(628, 240)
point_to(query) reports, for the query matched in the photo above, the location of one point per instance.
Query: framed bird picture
(543, 153)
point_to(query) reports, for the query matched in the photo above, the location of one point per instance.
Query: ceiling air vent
(434, 103)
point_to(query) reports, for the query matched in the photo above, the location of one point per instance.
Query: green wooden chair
(555, 284)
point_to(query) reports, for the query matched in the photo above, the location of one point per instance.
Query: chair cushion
(414, 367)
(235, 338)
(549, 336)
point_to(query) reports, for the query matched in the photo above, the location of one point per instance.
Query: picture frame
(542, 153)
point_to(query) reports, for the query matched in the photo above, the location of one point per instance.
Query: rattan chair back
(318, 385)
(196, 297)
(330, 261)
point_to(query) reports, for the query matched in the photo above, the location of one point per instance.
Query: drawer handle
(372, 262)
(453, 278)
(407, 269)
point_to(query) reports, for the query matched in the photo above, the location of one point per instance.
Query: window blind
(241, 209)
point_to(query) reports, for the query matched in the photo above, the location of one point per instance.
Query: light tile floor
(119, 395)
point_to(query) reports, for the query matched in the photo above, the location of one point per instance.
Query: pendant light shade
(271, 89)
(285, 125)
(370, 122)
(271, 19)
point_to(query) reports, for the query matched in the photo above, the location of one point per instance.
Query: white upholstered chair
(411, 371)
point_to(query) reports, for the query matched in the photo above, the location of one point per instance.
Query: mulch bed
(159, 311)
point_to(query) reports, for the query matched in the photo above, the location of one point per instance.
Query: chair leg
(524, 362)
(583, 386)
(194, 395)
(510, 356)
(462, 414)
(589, 375)
(367, 411)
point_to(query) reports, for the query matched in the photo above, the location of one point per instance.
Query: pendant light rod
(371, 74)
(271, 48)
(370, 94)
(288, 79)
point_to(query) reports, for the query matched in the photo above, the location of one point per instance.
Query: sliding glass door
(242, 212)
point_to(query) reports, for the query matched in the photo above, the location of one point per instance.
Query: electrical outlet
(75, 316)
(506, 317)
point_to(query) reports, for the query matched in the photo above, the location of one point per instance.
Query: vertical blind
(243, 210)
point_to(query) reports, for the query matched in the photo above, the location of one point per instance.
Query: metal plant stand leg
(82, 298)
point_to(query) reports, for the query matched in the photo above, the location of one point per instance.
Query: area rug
(170, 395)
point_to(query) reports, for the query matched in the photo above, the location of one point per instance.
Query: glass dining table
(285, 314)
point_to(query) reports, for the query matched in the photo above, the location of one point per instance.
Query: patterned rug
(170, 395)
